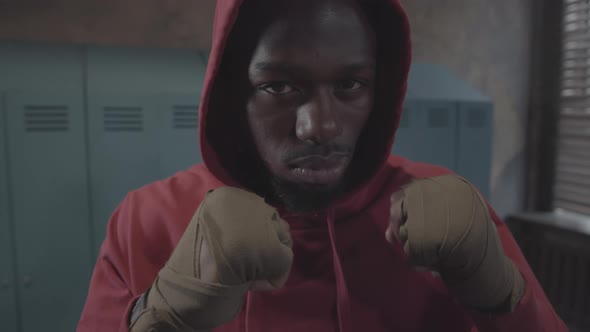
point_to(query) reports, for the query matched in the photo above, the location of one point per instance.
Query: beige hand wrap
(448, 228)
(248, 242)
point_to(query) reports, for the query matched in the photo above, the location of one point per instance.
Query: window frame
(544, 105)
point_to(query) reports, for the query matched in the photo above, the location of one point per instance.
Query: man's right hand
(234, 242)
(243, 240)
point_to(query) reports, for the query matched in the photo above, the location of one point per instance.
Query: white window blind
(572, 181)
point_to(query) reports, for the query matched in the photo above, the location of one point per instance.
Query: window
(572, 169)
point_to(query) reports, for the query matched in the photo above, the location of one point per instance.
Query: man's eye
(278, 88)
(350, 84)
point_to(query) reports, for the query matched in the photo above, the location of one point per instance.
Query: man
(299, 219)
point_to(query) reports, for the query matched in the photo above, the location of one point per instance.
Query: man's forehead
(336, 26)
(292, 56)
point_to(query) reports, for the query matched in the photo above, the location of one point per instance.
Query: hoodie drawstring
(342, 295)
(246, 326)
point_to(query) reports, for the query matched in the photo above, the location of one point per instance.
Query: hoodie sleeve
(110, 299)
(534, 313)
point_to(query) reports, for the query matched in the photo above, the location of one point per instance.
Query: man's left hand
(443, 224)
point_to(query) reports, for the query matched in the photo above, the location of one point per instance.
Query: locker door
(435, 133)
(178, 141)
(47, 160)
(405, 142)
(124, 152)
(8, 304)
(475, 144)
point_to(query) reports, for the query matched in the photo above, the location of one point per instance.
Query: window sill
(562, 220)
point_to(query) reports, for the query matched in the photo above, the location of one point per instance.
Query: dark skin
(312, 77)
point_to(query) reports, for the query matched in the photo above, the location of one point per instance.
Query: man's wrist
(139, 306)
(513, 298)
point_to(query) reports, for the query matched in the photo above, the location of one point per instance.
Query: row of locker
(80, 126)
(63, 172)
(450, 133)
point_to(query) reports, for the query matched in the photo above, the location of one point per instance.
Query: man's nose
(317, 120)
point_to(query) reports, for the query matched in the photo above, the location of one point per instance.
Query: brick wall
(149, 23)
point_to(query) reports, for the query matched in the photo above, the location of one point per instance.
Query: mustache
(319, 150)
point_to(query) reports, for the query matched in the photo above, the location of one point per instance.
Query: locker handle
(28, 281)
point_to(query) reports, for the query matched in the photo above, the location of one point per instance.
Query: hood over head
(226, 146)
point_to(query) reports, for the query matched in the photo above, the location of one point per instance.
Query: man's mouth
(318, 169)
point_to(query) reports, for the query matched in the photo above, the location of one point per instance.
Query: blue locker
(124, 151)
(49, 190)
(447, 123)
(8, 302)
(435, 128)
(405, 137)
(475, 140)
(178, 132)
(427, 133)
(157, 87)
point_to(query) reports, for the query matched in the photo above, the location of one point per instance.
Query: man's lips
(318, 169)
(318, 162)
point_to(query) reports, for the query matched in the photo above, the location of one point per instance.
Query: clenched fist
(234, 242)
(444, 225)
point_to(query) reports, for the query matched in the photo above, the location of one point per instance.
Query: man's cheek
(272, 156)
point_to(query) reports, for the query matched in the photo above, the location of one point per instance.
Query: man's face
(312, 75)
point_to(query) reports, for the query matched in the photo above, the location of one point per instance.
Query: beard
(303, 198)
(300, 197)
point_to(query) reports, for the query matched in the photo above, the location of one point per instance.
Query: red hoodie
(345, 276)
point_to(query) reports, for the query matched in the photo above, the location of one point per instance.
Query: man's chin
(305, 197)
(317, 187)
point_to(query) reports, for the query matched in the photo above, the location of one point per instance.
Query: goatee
(304, 198)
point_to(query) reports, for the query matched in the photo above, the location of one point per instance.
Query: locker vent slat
(123, 119)
(46, 118)
(185, 116)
